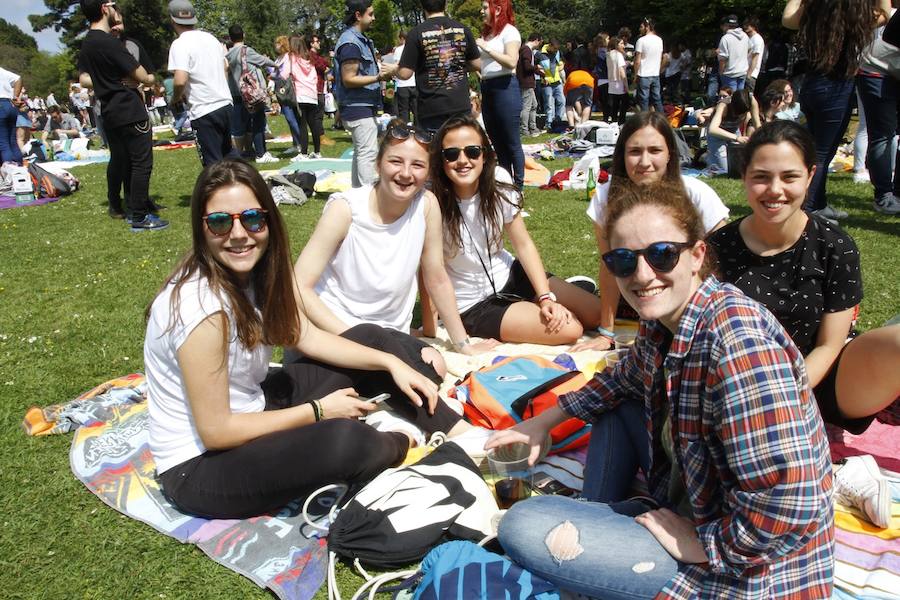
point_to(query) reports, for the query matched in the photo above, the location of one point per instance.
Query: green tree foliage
(384, 30)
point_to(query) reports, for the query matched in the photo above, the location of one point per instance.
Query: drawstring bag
(404, 512)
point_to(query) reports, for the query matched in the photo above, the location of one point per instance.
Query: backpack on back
(253, 94)
(517, 388)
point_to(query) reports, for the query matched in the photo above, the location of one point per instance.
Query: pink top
(303, 74)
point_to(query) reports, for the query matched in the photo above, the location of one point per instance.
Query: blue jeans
(501, 108)
(554, 103)
(648, 92)
(735, 83)
(290, 115)
(826, 104)
(879, 99)
(9, 147)
(613, 544)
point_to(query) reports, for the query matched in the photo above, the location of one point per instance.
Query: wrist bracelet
(462, 344)
(605, 332)
(316, 413)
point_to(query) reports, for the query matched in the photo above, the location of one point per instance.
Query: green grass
(73, 288)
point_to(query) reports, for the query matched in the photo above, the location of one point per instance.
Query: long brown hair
(670, 199)
(493, 193)
(836, 30)
(634, 124)
(297, 46)
(278, 321)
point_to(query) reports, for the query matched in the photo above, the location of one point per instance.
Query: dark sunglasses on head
(661, 256)
(253, 220)
(471, 152)
(402, 132)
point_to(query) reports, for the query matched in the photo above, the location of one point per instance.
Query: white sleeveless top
(372, 276)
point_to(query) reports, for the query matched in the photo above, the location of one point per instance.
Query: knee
(528, 526)
(434, 358)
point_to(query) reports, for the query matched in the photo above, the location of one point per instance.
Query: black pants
(214, 136)
(308, 118)
(130, 163)
(618, 107)
(406, 102)
(270, 471)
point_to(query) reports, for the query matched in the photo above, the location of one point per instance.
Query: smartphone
(377, 399)
(547, 485)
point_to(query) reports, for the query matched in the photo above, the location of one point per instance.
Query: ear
(698, 254)
(812, 173)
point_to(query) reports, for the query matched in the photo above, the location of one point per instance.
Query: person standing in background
(525, 70)
(406, 94)
(247, 128)
(757, 51)
(647, 64)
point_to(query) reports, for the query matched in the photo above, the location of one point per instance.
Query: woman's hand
(344, 404)
(532, 432)
(482, 44)
(555, 315)
(414, 384)
(601, 342)
(480, 347)
(674, 533)
(742, 139)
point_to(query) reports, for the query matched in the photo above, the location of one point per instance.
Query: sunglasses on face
(471, 152)
(253, 220)
(661, 256)
(402, 132)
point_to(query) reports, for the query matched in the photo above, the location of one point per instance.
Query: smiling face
(654, 295)
(403, 169)
(464, 172)
(646, 156)
(776, 181)
(239, 250)
(788, 95)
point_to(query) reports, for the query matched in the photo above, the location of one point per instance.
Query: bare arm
(831, 337)
(793, 12)
(474, 65)
(528, 255)
(637, 64)
(429, 312)
(325, 240)
(85, 80)
(715, 125)
(404, 73)
(508, 58)
(351, 79)
(179, 82)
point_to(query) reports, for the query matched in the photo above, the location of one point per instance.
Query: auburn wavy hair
(498, 21)
(274, 319)
(832, 31)
(493, 193)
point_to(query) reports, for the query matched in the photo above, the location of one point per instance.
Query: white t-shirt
(8, 81)
(372, 276)
(173, 434)
(708, 204)
(490, 68)
(757, 46)
(400, 83)
(466, 267)
(614, 60)
(202, 56)
(650, 46)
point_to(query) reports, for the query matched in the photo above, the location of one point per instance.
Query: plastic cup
(624, 340)
(511, 473)
(614, 356)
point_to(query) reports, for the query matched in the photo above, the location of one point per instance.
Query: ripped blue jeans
(593, 545)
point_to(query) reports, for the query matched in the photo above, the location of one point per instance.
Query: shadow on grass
(184, 200)
(864, 216)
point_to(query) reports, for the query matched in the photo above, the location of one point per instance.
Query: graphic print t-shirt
(438, 50)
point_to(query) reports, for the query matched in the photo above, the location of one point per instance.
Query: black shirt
(106, 60)
(438, 50)
(818, 274)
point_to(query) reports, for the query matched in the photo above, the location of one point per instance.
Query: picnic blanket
(10, 202)
(110, 454)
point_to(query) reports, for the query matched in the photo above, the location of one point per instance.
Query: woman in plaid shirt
(713, 404)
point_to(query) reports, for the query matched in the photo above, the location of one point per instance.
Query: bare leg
(523, 323)
(868, 377)
(434, 358)
(585, 306)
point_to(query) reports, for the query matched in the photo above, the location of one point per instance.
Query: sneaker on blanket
(385, 421)
(584, 282)
(860, 484)
(472, 441)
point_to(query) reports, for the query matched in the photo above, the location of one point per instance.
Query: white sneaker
(584, 282)
(472, 441)
(300, 156)
(888, 206)
(860, 484)
(266, 158)
(383, 420)
(861, 177)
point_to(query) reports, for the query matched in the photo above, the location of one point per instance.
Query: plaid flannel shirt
(749, 442)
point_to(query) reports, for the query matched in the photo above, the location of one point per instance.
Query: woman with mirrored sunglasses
(499, 296)
(645, 153)
(712, 404)
(229, 439)
(361, 262)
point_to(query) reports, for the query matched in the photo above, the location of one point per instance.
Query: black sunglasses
(253, 220)
(402, 132)
(661, 256)
(471, 152)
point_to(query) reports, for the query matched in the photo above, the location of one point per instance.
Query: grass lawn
(73, 288)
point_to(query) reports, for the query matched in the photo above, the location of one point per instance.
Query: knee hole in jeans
(563, 542)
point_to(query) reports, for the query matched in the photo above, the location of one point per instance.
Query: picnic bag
(253, 94)
(399, 516)
(517, 388)
(51, 185)
(461, 570)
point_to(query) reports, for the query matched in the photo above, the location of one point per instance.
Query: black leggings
(308, 118)
(270, 471)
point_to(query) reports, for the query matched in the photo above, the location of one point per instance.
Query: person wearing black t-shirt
(439, 51)
(114, 74)
(806, 272)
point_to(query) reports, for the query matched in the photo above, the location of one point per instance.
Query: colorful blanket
(111, 456)
(10, 202)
